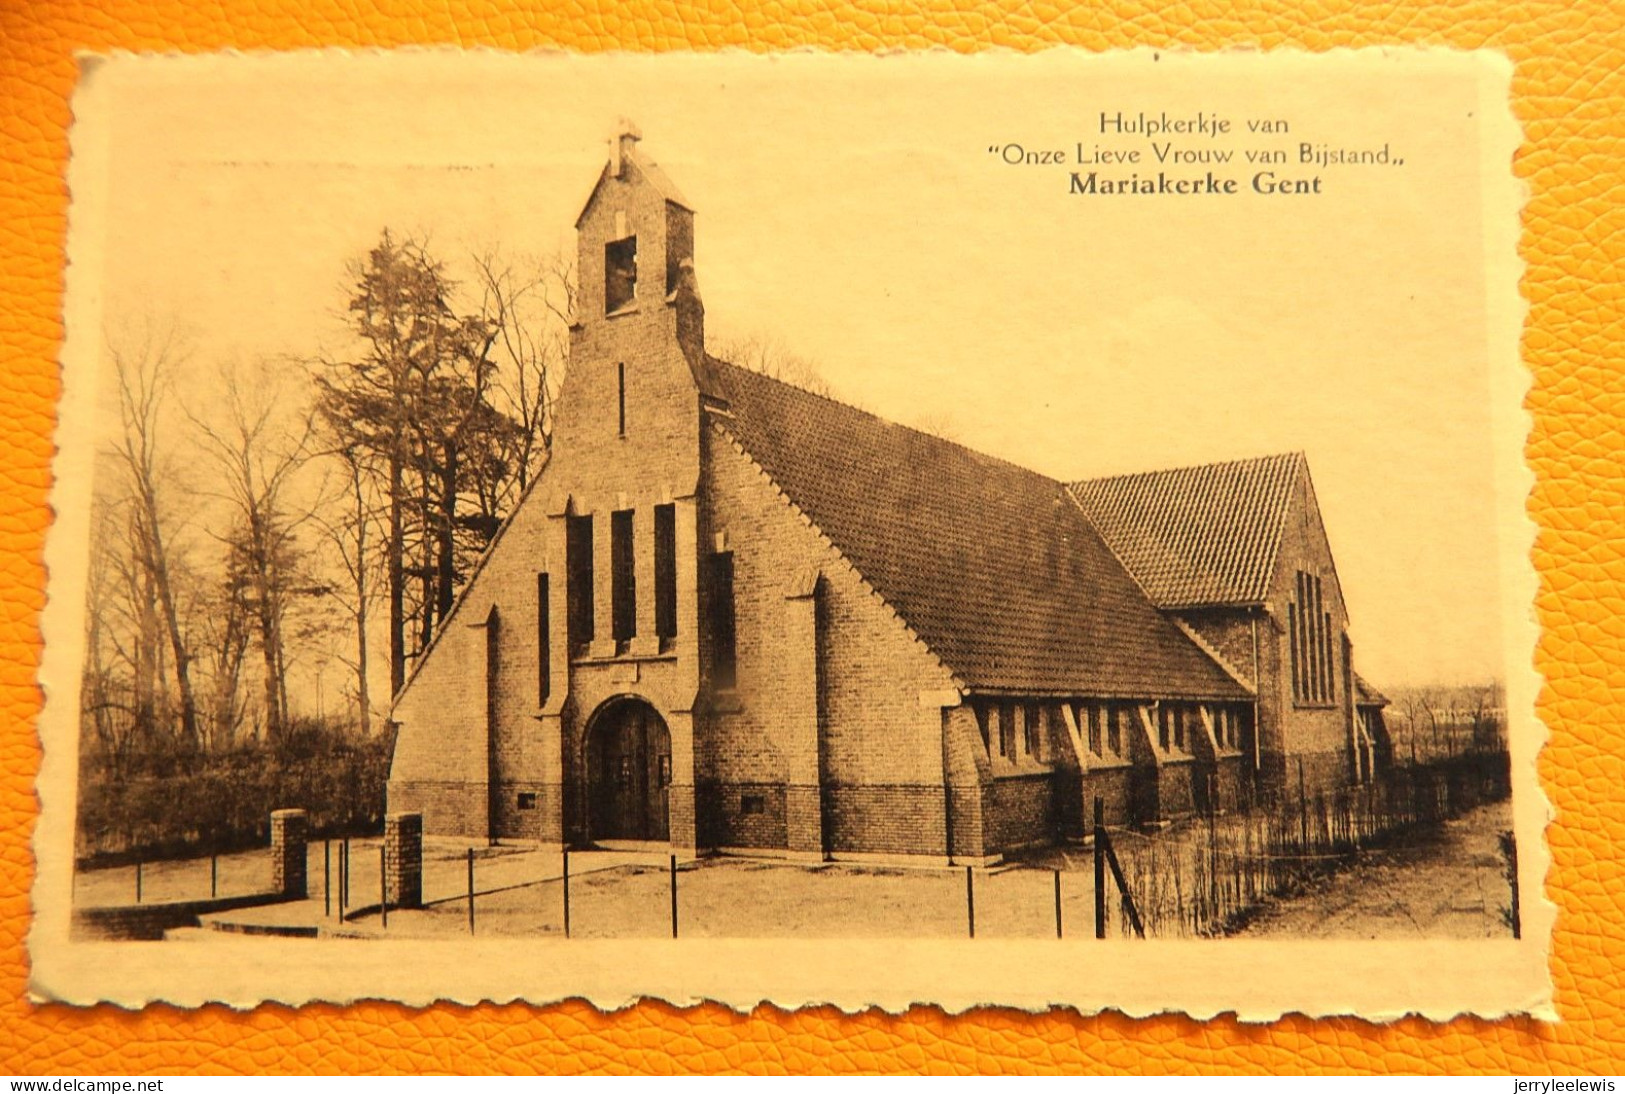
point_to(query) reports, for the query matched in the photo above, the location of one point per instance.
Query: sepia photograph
(671, 502)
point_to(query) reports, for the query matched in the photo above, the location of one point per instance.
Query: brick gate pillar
(403, 860)
(289, 829)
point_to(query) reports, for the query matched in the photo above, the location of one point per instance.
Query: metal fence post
(327, 877)
(566, 893)
(1100, 868)
(674, 896)
(1057, 903)
(970, 902)
(1303, 810)
(214, 876)
(138, 881)
(383, 896)
(471, 890)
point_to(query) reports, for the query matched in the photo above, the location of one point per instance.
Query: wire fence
(1212, 874)
(1204, 876)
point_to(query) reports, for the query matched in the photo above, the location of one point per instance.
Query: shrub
(206, 803)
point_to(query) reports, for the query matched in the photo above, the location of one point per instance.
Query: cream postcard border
(1255, 980)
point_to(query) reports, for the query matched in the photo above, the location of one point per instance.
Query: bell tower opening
(620, 274)
(637, 332)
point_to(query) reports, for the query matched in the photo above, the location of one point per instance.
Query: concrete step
(226, 924)
(189, 934)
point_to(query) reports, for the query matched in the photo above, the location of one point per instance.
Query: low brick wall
(148, 922)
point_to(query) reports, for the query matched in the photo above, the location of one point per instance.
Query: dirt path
(1446, 883)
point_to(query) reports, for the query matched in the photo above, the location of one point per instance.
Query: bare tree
(768, 355)
(259, 441)
(1433, 706)
(1485, 708)
(529, 303)
(1409, 701)
(142, 368)
(348, 534)
(223, 635)
(108, 692)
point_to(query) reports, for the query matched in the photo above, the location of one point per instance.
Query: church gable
(1306, 600)
(812, 639)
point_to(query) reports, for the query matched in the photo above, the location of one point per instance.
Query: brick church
(734, 615)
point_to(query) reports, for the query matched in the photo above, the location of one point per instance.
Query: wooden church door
(629, 768)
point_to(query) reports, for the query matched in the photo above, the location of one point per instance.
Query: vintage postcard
(920, 529)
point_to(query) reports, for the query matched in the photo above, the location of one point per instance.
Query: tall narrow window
(579, 579)
(724, 667)
(1164, 729)
(544, 638)
(1007, 731)
(620, 383)
(1309, 627)
(666, 571)
(1030, 728)
(623, 591)
(620, 273)
(1094, 727)
(1328, 671)
(1295, 640)
(1114, 728)
(493, 664)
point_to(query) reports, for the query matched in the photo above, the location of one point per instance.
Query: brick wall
(1115, 786)
(1019, 811)
(448, 751)
(742, 814)
(1176, 794)
(1228, 630)
(449, 807)
(968, 768)
(890, 819)
(828, 687)
(542, 821)
(1231, 779)
(1291, 731)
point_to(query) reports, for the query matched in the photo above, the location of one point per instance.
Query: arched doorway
(628, 772)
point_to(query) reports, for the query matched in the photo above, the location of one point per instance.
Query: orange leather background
(1570, 96)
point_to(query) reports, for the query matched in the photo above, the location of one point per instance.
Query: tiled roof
(662, 182)
(992, 565)
(1198, 535)
(1366, 695)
